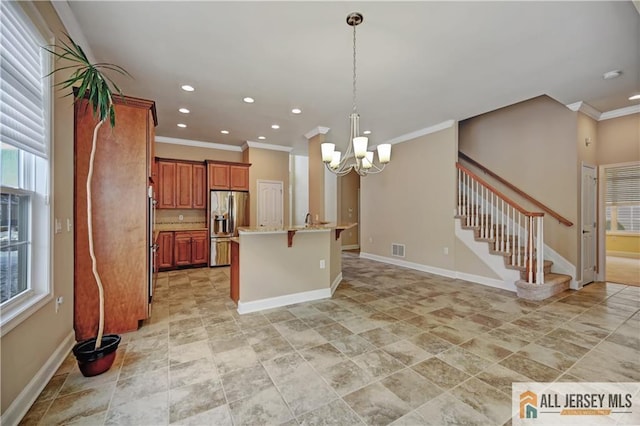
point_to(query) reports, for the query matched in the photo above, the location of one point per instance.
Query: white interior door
(270, 205)
(589, 206)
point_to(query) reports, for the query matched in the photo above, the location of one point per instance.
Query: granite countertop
(302, 228)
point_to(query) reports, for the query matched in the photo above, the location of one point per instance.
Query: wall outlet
(322, 264)
(370, 239)
(58, 226)
(69, 225)
(180, 218)
(446, 250)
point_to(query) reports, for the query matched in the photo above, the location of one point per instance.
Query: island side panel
(335, 271)
(271, 269)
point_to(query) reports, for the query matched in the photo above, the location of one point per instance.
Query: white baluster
(540, 250)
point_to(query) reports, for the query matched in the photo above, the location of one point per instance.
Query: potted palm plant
(87, 81)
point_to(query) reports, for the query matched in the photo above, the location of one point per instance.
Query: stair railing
(513, 231)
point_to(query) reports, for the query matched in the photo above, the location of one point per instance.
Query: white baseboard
(277, 302)
(410, 265)
(30, 393)
(351, 247)
(336, 283)
(490, 282)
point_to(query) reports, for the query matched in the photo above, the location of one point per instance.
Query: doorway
(622, 222)
(270, 204)
(589, 208)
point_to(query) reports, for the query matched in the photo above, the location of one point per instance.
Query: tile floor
(393, 346)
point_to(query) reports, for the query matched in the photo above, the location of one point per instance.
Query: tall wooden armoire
(121, 216)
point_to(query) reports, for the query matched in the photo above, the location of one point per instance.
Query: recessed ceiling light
(224, 132)
(261, 138)
(634, 97)
(249, 100)
(366, 132)
(184, 110)
(275, 126)
(188, 88)
(182, 125)
(611, 74)
(296, 111)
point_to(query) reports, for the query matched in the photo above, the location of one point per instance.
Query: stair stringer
(494, 262)
(562, 266)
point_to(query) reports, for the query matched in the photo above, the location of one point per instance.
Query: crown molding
(72, 27)
(427, 130)
(261, 145)
(198, 144)
(621, 112)
(320, 130)
(586, 109)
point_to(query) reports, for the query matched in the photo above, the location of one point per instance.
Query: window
(25, 213)
(623, 199)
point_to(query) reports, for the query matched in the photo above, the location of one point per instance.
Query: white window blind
(623, 184)
(22, 87)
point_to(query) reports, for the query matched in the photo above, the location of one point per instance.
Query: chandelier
(356, 156)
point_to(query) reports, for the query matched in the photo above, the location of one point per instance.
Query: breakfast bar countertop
(301, 228)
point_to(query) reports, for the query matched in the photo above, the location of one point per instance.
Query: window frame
(40, 269)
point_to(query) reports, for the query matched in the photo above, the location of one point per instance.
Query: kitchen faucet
(307, 219)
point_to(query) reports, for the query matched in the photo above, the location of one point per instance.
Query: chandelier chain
(354, 69)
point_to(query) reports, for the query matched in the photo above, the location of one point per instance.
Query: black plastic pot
(93, 361)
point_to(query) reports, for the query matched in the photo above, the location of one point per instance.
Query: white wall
(300, 184)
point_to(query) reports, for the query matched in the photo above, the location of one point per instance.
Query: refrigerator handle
(232, 222)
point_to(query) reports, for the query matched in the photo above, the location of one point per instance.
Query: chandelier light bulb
(384, 153)
(367, 161)
(327, 151)
(335, 160)
(360, 146)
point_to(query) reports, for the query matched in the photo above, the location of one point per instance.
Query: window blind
(22, 91)
(623, 184)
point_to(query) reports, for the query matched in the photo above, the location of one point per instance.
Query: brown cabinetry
(181, 185)
(231, 176)
(218, 176)
(191, 248)
(235, 272)
(120, 216)
(199, 186)
(164, 251)
(184, 185)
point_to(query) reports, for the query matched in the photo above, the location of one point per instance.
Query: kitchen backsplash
(181, 217)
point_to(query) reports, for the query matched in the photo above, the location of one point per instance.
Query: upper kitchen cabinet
(218, 176)
(230, 176)
(121, 216)
(181, 185)
(239, 178)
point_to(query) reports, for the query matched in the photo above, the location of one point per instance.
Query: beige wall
(467, 262)
(412, 202)
(183, 152)
(587, 150)
(26, 348)
(272, 165)
(348, 209)
(533, 145)
(269, 268)
(619, 140)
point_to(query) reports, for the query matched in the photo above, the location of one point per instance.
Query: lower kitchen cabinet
(165, 250)
(235, 272)
(191, 248)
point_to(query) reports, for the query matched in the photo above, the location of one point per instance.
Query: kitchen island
(272, 267)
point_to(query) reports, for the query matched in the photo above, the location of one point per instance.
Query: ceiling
(418, 63)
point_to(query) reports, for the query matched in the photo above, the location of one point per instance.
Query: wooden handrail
(498, 193)
(552, 213)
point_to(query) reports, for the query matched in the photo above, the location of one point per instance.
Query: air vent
(397, 250)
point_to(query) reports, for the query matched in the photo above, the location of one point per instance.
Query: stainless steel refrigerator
(228, 211)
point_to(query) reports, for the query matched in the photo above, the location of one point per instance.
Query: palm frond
(96, 87)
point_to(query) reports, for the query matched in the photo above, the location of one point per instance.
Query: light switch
(69, 225)
(58, 226)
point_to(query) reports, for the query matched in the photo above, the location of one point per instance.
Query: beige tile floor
(393, 346)
(623, 270)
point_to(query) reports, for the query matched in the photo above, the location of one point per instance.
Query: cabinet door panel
(218, 176)
(199, 248)
(166, 185)
(239, 177)
(199, 187)
(184, 185)
(165, 250)
(182, 248)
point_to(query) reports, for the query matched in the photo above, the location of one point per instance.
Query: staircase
(515, 234)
